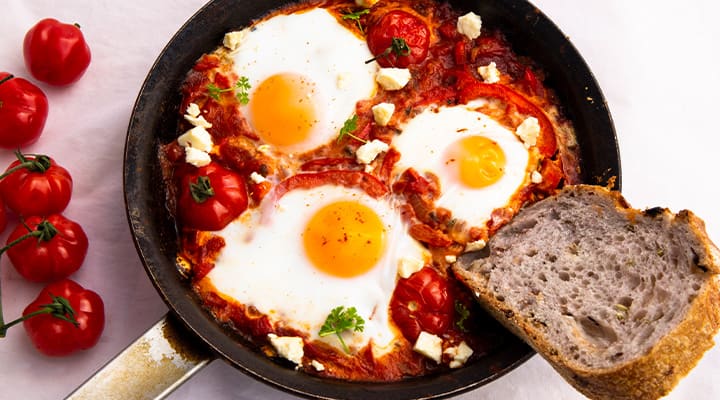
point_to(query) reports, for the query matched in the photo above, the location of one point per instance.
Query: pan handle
(157, 363)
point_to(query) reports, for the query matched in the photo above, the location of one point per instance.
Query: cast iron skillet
(154, 122)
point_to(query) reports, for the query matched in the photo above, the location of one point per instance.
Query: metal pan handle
(157, 363)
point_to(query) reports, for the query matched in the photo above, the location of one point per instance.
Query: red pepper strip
(391, 157)
(370, 184)
(320, 164)
(470, 88)
(426, 234)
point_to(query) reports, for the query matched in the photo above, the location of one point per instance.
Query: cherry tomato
(53, 248)
(384, 37)
(36, 185)
(211, 197)
(56, 53)
(3, 216)
(54, 336)
(23, 111)
(422, 302)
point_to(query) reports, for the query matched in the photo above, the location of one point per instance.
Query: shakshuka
(335, 157)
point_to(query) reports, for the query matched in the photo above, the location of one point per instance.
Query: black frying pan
(154, 122)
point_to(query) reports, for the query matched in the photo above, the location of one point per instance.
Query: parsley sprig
(340, 320)
(463, 314)
(356, 17)
(348, 128)
(241, 89)
(398, 46)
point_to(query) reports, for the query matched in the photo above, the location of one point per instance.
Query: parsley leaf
(356, 17)
(242, 87)
(463, 315)
(340, 320)
(398, 46)
(348, 128)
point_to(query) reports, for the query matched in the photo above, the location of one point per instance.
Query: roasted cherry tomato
(398, 39)
(56, 53)
(211, 197)
(23, 111)
(36, 185)
(52, 332)
(422, 302)
(47, 249)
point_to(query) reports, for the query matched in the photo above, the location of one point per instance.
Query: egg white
(426, 138)
(264, 264)
(314, 45)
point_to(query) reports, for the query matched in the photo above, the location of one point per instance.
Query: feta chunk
(290, 347)
(536, 177)
(196, 157)
(459, 354)
(198, 138)
(475, 246)
(528, 131)
(450, 259)
(408, 266)
(232, 40)
(366, 153)
(469, 25)
(318, 365)
(192, 110)
(393, 78)
(197, 121)
(429, 345)
(382, 113)
(366, 3)
(489, 73)
(257, 178)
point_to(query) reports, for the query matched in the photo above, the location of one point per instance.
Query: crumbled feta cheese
(232, 40)
(192, 110)
(475, 246)
(469, 25)
(528, 131)
(450, 259)
(408, 266)
(368, 168)
(197, 121)
(290, 347)
(393, 78)
(366, 153)
(198, 138)
(489, 73)
(196, 157)
(459, 354)
(382, 113)
(429, 345)
(366, 3)
(257, 178)
(318, 365)
(536, 177)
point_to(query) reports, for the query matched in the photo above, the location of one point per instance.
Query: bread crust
(651, 375)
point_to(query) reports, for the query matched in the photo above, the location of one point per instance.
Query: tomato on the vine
(47, 249)
(36, 185)
(422, 302)
(210, 197)
(23, 111)
(56, 329)
(398, 39)
(56, 53)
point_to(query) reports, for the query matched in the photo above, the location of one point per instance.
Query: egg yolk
(281, 109)
(344, 239)
(477, 161)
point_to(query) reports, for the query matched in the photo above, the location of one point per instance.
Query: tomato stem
(39, 163)
(44, 231)
(59, 308)
(7, 78)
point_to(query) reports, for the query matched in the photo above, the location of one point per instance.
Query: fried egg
(480, 163)
(306, 73)
(298, 257)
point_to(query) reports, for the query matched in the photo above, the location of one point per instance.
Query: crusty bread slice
(622, 302)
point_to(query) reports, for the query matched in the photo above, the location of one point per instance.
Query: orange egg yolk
(281, 109)
(477, 161)
(344, 239)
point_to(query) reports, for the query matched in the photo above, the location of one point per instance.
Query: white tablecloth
(657, 63)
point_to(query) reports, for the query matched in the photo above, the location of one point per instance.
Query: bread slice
(622, 302)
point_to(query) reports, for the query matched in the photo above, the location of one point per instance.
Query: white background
(657, 63)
